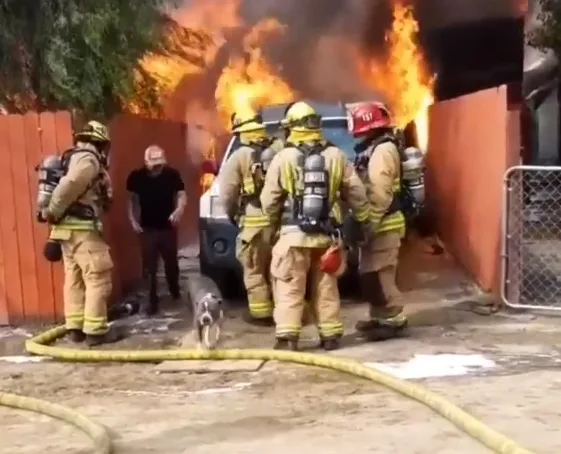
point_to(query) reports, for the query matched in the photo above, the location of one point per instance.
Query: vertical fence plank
(4, 154)
(49, 146)
(127, 154)
(8, 226)
(24, 224)
(45, 306)
(63, 137)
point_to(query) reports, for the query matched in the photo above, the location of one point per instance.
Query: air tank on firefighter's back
(413, 168)
(413, 164)
(49, 173)
(267, 156)
(315, 187)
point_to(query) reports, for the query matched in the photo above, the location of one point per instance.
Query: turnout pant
(378, 270)
(253, 251)
(158, 243)
(291, 267)
(87, 281)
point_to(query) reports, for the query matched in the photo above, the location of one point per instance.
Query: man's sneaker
(175, 294)
(153, 306)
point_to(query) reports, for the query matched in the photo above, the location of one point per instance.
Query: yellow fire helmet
(247, 122)
(300, 116)
(94, 131)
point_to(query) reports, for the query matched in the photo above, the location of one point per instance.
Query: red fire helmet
(364, 117)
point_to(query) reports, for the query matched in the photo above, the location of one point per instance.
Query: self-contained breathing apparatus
(411, 197)
(261, 158)
(311, 207)
(50, 171)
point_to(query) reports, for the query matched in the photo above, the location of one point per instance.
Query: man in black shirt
(156, 204)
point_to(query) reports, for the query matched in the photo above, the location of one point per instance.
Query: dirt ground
(284, 407)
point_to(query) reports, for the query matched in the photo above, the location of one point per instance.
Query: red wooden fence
(467, 211)
(30, 287)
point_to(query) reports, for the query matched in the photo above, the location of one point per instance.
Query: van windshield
(335, 131)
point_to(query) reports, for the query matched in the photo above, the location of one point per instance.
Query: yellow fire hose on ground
(38, 345)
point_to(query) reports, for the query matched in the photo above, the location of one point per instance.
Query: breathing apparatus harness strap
(364, 152)
(77, 209)
(257, 172)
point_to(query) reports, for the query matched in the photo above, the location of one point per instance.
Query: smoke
(317, 54)
(532, 56)
(444, 13)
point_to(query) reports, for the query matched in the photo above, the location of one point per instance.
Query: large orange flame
(403, 77)
(249, 81)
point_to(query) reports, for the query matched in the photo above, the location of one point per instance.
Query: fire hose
(39, 345)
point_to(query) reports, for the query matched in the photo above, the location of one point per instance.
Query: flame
(192, 37)
(249, 81)
(403, 77)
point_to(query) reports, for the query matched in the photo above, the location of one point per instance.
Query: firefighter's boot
(262, 322)
(386, 321)
(287, 343)
(110, 337)
(381, 329)
(330, 343)
(76, 336)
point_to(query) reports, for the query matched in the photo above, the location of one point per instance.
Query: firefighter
(241, 181)
(378, 164)
(301, 186)
(74, 213)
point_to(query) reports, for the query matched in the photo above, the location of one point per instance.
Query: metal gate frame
(513, 196)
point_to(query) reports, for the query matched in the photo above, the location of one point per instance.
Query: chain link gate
(531, 237)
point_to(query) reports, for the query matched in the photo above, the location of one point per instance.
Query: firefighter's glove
(366, 234)
(50, 218)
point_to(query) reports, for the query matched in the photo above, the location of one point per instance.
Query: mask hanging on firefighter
(52, 251)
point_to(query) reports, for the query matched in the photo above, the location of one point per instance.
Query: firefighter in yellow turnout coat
(241, 181)
(74, 213)
(379, 167)
(301, 186)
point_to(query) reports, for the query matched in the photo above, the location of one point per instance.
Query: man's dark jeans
(158, 243)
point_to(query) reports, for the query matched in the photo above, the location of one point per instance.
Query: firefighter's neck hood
(372, 141)
(86, 146)
(250, 137)
(305, 136)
